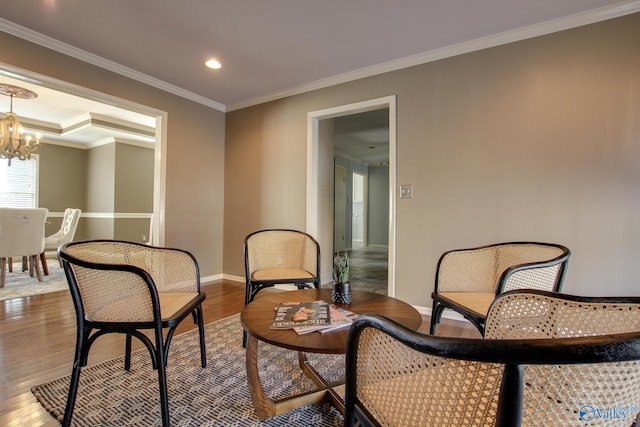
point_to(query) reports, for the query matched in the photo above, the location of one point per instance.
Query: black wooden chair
(123, 287)
(279, 257)
(546, 359)
(468, 280)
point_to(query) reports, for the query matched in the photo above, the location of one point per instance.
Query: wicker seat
(126, 288)
(277, 256)
(468, 280)
(547, 359)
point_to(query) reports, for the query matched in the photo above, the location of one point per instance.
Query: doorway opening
(322, 164)
(118, 122)
(358, 211)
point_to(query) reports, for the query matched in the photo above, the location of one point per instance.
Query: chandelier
(13, 143)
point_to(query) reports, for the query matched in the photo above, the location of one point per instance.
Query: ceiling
(363, 137)
(268, 49)
(67, 119)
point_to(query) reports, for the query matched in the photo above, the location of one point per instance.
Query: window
(19, 183)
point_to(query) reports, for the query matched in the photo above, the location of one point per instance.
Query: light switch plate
(406, 191)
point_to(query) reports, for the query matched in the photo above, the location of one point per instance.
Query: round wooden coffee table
(256, 319)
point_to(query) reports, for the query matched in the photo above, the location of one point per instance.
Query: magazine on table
(295, 314)
(340, 318)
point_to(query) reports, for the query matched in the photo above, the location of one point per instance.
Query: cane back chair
(124, 287)
(468, 280)
(547, 359)
(277, 257)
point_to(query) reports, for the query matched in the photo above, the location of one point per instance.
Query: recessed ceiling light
(213, 63)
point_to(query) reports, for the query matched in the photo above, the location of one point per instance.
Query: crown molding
(66, 49)
(572, 21)
(94, 144)
(615, 10)
(61, 143)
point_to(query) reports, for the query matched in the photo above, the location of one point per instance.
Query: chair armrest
(110, 292)
(172, 270)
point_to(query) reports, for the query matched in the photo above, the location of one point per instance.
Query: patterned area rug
(215, 396)
(19, 284)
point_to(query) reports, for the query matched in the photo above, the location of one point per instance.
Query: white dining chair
(21, 235)
(64, 235)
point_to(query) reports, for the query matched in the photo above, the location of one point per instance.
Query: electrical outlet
(279, 260)
(406, 191)
(144, 237)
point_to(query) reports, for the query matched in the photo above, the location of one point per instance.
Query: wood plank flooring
(37, 340)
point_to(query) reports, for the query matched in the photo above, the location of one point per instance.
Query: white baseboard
(213, 278)
(446, 314)
(230, 277)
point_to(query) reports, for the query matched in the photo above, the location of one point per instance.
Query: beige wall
(133, 191)
(535, 140)
(378, 206)
(195, 147)
(61, 176)
(107, 179)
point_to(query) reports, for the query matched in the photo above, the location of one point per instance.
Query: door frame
(313, 173)
(343, 188)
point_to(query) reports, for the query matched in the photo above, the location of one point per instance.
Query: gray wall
(107, 182)
(378, 206)
(133, 191)
(62, 177)
(534, 140)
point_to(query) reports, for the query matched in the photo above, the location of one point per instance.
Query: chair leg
(164, 395)
(127, 353)
(247, 299)
(3, 271)
(10, 265)
(436, 314)
(203, 350)
(34, 267)
(43, 261)
(71, 396)
(162, 379)
(75, 379)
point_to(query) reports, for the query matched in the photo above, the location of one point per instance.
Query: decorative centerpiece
(341, 293)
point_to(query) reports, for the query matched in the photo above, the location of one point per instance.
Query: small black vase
(341, 293)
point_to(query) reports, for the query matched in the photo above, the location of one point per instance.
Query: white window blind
(19, 183)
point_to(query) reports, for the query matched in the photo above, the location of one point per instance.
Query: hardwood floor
(37, 340)
(369, 269)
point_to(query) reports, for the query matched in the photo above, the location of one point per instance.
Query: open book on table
(340, 318)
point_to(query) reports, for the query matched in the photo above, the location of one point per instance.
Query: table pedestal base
(266, 407)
